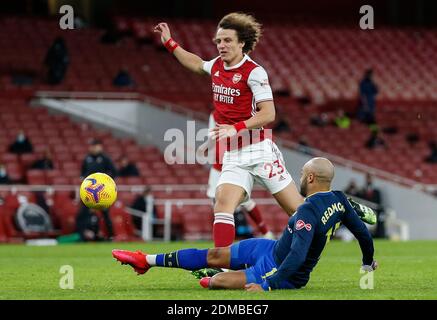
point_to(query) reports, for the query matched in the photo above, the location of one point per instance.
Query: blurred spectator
(128, 168)
(4, 178)
(21, 144)
(79, 23)
(282, 126)
(123, 79)
(368, 91)
(373, 194)
(57, 61)
(111, 35)
(432, 158)
(352, 189)
(412, 138)
(144, 202)
(341, 120)
(242, 228)
(97, 161)
(87, 225)
(44, 163)
(370, 192)
(40, 197)
(321, 120)
(303, 145)
(375, 140)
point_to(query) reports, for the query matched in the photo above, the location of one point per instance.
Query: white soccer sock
(151, 259)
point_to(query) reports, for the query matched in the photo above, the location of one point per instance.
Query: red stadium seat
(36, 177)
(9, 157)
(27, 159)
(122, 223)
(66, 212)
(15, 171)
(3, 234)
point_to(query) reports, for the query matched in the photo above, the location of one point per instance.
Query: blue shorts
(256, 255)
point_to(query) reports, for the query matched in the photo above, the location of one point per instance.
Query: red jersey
(237, 89)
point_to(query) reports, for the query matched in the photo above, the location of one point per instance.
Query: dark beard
(303, 189)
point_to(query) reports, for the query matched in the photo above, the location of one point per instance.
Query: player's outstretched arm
(360, 231)
(187, 59)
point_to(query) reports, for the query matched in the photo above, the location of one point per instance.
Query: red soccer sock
(224, 229)
(255, 214)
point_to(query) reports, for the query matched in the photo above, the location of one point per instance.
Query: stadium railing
(396, 228)
(148, 221)
(428, 188)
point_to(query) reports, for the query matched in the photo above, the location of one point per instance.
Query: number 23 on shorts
(274, 168)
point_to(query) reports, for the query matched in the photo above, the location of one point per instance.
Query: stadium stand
(298, 58)
(302, 60)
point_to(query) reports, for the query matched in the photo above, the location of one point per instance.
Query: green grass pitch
(408, 270)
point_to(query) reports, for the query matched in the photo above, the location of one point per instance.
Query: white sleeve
(258, 82)
(207, 65)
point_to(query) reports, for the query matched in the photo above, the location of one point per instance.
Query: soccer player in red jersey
(250, 206)
(243, 101)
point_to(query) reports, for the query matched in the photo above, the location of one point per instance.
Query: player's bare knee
(226, 204)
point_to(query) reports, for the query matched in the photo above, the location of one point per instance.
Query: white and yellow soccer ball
(98, 191)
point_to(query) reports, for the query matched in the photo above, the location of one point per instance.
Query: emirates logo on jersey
(236, 78)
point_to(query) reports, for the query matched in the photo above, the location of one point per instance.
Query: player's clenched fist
(164, 30)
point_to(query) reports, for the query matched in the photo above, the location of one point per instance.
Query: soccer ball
(98, 191)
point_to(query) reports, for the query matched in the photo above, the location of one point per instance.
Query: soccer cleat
(136, 260)
(365, 213)
(205, 282)
(205, 272)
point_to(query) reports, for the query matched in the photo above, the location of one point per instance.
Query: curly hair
(247, 28)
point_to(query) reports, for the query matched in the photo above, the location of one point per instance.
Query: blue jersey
(308, 231)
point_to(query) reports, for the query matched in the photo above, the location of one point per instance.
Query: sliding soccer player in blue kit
(263, 264)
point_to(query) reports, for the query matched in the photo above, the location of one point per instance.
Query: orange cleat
(136, 260)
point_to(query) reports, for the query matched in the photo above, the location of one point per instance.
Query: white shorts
(261, 162)
(214, 176)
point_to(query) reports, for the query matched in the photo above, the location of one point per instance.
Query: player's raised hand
(222, 131)
(163, 29)
(253, 287)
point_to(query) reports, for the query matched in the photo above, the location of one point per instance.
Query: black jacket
(43, 164)
(98, 163)
(5, 179)
(18, 147)
(128, 171)
(86, 220)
